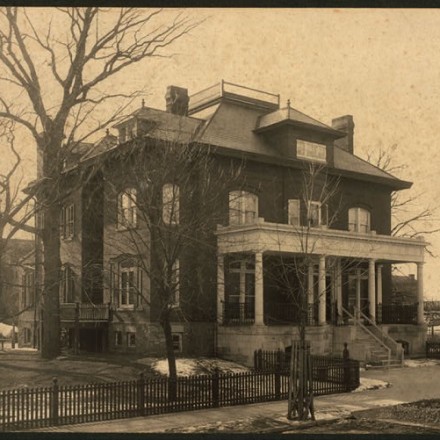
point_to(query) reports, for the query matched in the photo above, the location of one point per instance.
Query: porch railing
(288, 313)
(85, 312)
(388, 341)
(399, 313)
(242, 313)
(355, 319)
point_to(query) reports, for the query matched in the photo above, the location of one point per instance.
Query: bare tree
(408, 218)
(320, 200)
(16, 209)
(170, 197)
(60, 74)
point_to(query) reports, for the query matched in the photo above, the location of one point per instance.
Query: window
(175, 283)
(294, 212)
(127, 288)
(243, 207)
(131, 339)
(27, 336)
(177, 342)
(39, 221)
(118, 339)
(126, 281)
(241, 289)
(127, 213)
(67, 221)
(311, 151)
(359, 220)
(317, 214)
(67, 289)
(28, 289)
(170, 204)
(122, 134)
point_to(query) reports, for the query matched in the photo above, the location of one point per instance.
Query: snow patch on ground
(415, 363)
(188, 367)
(371, 384)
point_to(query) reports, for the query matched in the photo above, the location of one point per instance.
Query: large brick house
(348, 278)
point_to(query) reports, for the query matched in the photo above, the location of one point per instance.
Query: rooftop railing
(225, 88)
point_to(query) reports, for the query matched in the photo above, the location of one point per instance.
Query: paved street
(408, 384)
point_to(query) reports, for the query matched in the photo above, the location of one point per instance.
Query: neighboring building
(349, 280)
(17, 293)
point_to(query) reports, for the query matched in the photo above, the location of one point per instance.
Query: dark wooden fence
(331, 375)
(57, 405)
(433, 349)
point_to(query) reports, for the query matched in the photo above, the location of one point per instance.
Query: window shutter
(114, 284)
(72, 232)
(294, 212)
(324, 214)
(139, 287)
(62, 215)
(23, 291)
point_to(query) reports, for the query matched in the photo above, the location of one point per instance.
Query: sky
(380, 65)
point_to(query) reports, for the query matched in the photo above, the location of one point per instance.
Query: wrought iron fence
(399, 313)
(235, 313)
(433, 349)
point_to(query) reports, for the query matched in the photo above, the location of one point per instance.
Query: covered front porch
(267, 278)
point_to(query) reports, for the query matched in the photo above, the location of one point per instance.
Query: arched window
(243, 207)
(170, 204)
(127, 214)
(359, 220)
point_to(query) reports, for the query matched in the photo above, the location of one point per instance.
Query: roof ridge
(312, 118)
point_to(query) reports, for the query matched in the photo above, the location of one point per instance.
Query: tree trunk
(50, 344)
(171, 357)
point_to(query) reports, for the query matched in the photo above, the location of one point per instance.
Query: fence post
(141, 394)
(215, 382)
(54, 402)
(346, 362)
(278, 382)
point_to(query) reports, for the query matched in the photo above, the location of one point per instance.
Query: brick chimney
(177, 100)
(345, 124)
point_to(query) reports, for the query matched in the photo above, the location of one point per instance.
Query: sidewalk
(407, 384)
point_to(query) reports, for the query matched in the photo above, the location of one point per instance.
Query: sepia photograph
(219, 220)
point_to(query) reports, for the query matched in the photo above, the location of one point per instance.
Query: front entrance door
(358, 292)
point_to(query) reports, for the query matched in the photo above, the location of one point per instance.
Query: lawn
(25, 369)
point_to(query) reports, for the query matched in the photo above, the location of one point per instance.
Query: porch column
(322, 291)
(259, 304)
(372, 288)
(338, 289)
(420, 308)
(358, 294)
(220, 287)
(310, 294)
(379, 293)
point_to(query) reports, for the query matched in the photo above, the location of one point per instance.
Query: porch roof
(273, 237)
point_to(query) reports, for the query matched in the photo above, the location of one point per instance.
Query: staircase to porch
(379, 349)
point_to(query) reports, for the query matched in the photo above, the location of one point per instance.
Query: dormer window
(311, 151)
